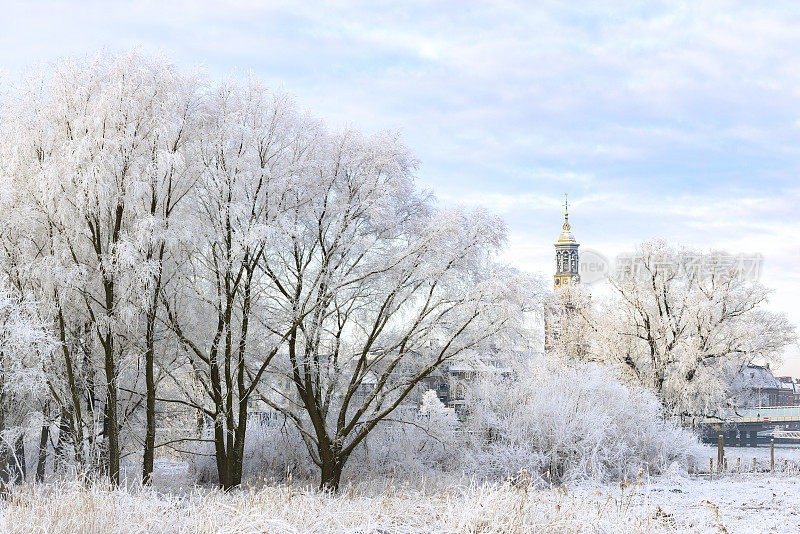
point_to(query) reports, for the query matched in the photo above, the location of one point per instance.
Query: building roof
(566, 230)
(756, 376)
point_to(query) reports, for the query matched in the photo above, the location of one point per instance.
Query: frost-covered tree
(383, 289)
(28, 266)
(85, 148)
(685, 323)
(160, 231)
(570, 309)
(204, 248)
(25, 345)
(257, 156)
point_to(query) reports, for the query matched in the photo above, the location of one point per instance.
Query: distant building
(756, 386)
(787, 391)
(451, 381)
(566, 255)
(557, 310)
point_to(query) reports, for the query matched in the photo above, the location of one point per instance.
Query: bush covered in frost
(569, 422)
(414, 444)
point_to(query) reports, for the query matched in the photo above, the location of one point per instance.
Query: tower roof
(566, 230)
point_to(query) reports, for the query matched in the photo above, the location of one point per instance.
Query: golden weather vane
(566, 205)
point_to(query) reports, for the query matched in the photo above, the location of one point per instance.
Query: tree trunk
(107, 341)
(333, 460)
(103, 456)
(332, 467)
(92, 402)
(41, 463)
(149, 377)
(150, 407)
(223, 471)
(5, 457)
(18, 467)
(150, 430)
(237, 458)
(5, 452)
(5, 464)
(230, 459)
(74, 418)
(111, 416)
(59, 449)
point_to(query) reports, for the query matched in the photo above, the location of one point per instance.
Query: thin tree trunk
(220, 429)
(111, 414)
(111, 424)
(5, 465)
(150, 409)
(223, 471)
(150, 383)
(88, 371)
(240, 431)
(20, 468)
(41, 463)
(107, 337)
(5, 451)
(104, 449)
(61, 441)
(237, 458)
(74, 414)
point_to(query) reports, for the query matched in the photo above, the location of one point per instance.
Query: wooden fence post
(720, 452)
(772, 455)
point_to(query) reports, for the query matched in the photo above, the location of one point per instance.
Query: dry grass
(72, 507)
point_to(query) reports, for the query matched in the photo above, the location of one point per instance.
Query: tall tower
(558, 310)
(566, 255)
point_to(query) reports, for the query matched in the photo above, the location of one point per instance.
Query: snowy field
(677, 503)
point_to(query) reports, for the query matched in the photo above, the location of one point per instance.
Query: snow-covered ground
(676, 503)
(735, 503)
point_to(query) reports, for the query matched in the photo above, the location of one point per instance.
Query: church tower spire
(566, 254)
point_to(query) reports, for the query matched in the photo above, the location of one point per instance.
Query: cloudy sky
(669, 119)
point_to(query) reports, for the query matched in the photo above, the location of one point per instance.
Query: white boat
(780, 434)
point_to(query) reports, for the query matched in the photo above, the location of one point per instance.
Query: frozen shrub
(567, 423)
(415, 443)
